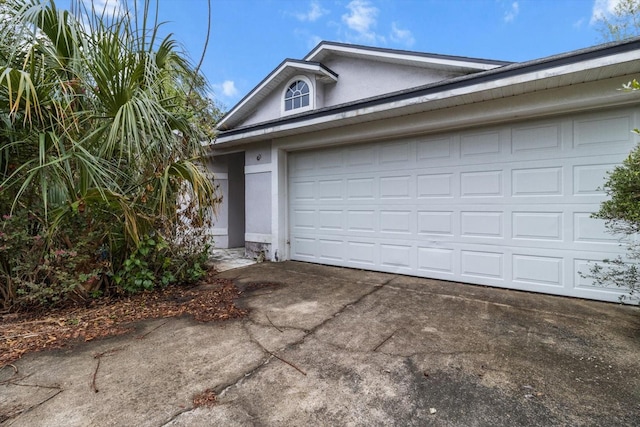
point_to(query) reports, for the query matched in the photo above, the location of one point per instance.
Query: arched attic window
(298, 96)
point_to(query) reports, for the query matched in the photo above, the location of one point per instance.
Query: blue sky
(249, 38)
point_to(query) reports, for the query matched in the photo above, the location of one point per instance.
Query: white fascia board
(363, 112)
(249, 99)
(404, 57)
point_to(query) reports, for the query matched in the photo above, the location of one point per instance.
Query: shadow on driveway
(333, 346)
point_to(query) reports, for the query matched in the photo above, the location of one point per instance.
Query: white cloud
(603, 9)
(362, 19)
(315, 12)
(229, 88)
(399, 35)
(511, 14)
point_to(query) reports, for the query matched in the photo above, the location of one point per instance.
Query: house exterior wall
(357, 79)
(266, 178)
(480, 114)
(268, 109)
(258, 199)
(518, 112)
(360, 79)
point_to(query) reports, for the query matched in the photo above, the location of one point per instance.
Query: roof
(312, 63)
(283, 72)
(589, 64)
(396, 56)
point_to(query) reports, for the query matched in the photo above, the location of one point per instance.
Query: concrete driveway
(332, 346)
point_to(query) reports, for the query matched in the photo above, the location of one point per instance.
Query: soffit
(587, 65)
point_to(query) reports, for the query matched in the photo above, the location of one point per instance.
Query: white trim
(257, 237)
(572, 100)
(312, 96)
(249, 169)
(402, 57)
(279, 205)
(275, 76)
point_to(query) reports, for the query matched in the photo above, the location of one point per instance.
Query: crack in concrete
(14, 417)
(281, 328)
(375, 289)
(226, 387)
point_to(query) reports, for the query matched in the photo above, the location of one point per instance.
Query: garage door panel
(438, 149)
(581, 269)
(331, 220)
(508, 206)
(439, 223)
(435, 185)
(482, 224)
(544, 137)
(397, 256)
(482, 263)
(361, 189)
(532, 225)
(330, 189)
(591, 230)
(303, 248)
(602, 131)
(481, 184)
(361, 253)
(332, 249)
(588, 179)
(538, 270)
(537, 181)
(436, 261)
(480, 144)
(396, 153)
(396, 187)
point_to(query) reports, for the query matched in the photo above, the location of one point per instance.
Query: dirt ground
(212, 299)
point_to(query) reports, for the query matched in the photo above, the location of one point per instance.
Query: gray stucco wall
(258, 154)
(358, 79)
(258, 203)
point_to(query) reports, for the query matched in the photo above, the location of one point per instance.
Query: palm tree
(96, 121)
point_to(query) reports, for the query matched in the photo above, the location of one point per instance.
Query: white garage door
(507, 206)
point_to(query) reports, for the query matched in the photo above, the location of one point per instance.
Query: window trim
(312, 96)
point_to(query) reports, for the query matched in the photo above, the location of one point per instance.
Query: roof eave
(549, 68)
(466, 64)
(253, 97)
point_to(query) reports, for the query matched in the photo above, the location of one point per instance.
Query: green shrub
(621, 212)
(37, 270)
(101, 130)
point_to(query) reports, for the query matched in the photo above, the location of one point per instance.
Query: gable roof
(580, 66)
(404, 57)
(312, 63)
(283, 72)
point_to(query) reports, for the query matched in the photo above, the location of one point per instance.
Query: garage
(470, 170)
(505, 206)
